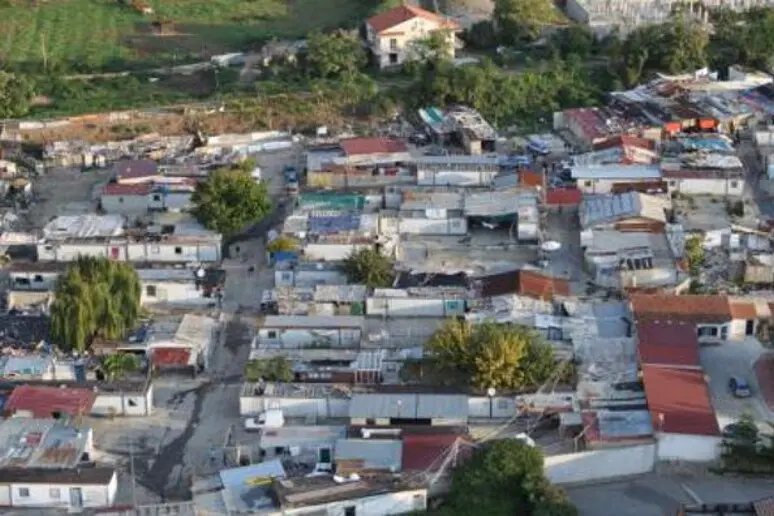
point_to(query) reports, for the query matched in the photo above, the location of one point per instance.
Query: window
(156, 197)
(393, 44)
(349, 511)
(672, 184)
(54, 493)
(393, 58)
(734, 184)
(707, 331)
(587, 183)
(131, 402)
(178, 250)
(150, 291)
(121, 200)
(37, 278)
(24, 492)
(271, 334)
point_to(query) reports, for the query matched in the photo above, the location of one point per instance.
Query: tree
(334, 55)
(119, 364)
(481, 35)
(16, 94)
(694, 254)
(492, 355)
(283, 243)
(95, 297)
(276, 369)
(229, 200)
(369, 267)
(576, 39)
(503, 478)
(522, 19)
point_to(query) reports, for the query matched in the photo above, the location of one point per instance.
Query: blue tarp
(708, 144)
(514, 161)
(328, 224)
(283, 256)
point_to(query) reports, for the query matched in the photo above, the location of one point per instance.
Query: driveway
(735, 359)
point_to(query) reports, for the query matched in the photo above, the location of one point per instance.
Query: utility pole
(131, 470)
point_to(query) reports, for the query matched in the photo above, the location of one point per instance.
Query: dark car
(739, 387)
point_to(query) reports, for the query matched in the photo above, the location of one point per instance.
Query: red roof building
(564, 197)
(386, 20)
(689, 308)
(530, 179)
(47, 402)
(668, 344)
(426, 451)
(679, 401)
(172, 357)
(537, 285)
(625, 140)
(122, 189)
(363, 146)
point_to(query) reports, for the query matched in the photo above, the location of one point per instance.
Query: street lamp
(490, 392)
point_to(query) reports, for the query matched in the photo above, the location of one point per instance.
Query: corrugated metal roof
(607, 209)
(339, 293)
(335, 321)
(409, 406)
(564, 197)
(359, 146)
(668, 343)
(44, 401)
(172, 357)
(690, 308)
(592, 172)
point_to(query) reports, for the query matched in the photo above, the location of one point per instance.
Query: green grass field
(109, 35)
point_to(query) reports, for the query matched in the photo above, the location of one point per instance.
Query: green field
(109, 35)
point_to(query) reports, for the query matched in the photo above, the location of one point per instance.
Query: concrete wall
(331, 252)
(308, 408)
(295, 338)
(413, 307)
(123, 404)
(500, 407)
(174, 292)
(36, 281)
(125, 204)
(733, 187)
(22, 299)
(454, 178)
(403, 502)
(434, 226)
(690, 448)
(597, 465)
(301, 278)
(135, 252)
(737, 328)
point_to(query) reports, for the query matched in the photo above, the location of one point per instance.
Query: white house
(156, 194)
(74, 488)
(187, 287)
(302, 331)
(391, 36)
(705, 182)
(308, 274)
(123, 398)
(179, 241)
(417, 302)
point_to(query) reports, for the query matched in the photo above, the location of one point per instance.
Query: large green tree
(117, 365)
(229, 200)
(369, 267)
(16, 94)
(505, 478)
(492, 355)
(94, 297)
(519, 20)
(335, 55)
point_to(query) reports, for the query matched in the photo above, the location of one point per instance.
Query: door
(749, 327)
(76, 497)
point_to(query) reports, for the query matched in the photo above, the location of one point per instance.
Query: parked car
(739, 387)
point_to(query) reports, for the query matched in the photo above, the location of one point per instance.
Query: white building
(392, 35)
(417, 302)
(43, 465)
(308, 274)
(181, 343)
(456, 170)
(294, 332)
(155, 194)
(181, 241)
(727, 183)
(603, 179)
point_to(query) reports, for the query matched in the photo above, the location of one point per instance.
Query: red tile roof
(564, 197)
(426, 451)
(535, 284)
(530, 179)
(668, 343)
(743, 310)
(171, 357)
(679, 401)
(141, 189)
(359, 146)
(689, 308)
(403, 13)
(135, 168)
(45, 401)
(591, 123)
(625, 140)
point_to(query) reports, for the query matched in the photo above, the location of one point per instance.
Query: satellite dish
(551, 246)
(200, 273)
